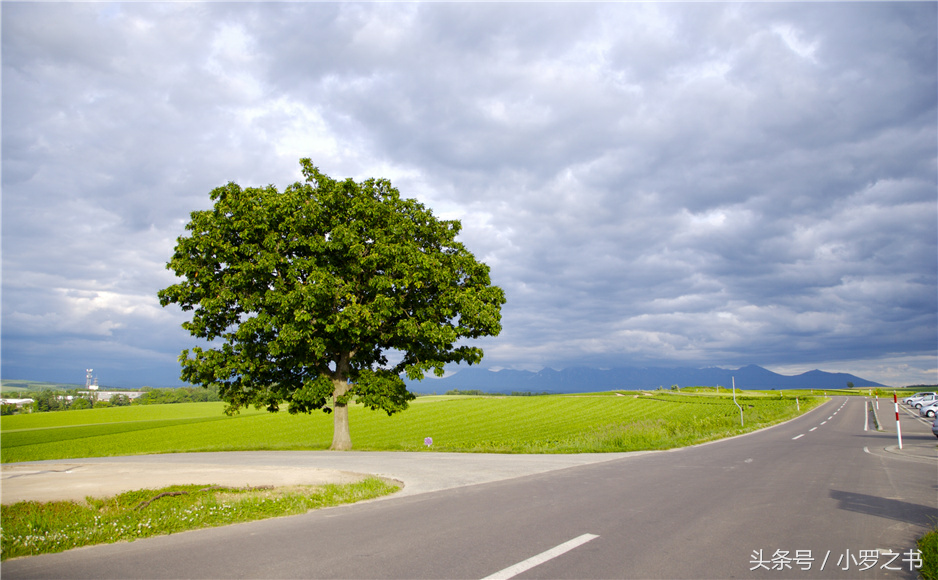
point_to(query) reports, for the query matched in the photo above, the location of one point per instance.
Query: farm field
(600, 422)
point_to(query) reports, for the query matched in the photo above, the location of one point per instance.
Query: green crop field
(600, 422)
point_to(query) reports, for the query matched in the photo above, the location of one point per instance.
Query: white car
(924, 401)
(916, 397)
(930, 410)
(922, 394)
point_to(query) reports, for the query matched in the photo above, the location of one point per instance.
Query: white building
(20, 403)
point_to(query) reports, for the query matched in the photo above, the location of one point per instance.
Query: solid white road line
(520, 567)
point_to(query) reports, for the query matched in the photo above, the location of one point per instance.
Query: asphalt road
(817, 492)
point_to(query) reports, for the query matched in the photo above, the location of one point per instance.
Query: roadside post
(895, 400)
(741, 424)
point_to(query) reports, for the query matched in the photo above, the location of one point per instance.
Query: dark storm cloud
(651, 183)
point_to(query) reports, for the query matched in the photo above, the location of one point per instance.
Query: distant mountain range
(584, 380)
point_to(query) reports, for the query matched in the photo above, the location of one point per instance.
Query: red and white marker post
(895, 400)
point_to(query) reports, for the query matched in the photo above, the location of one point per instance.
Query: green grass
(117, 415)
(928, 545)
(31, 528)
(548, 424)
(55, 434)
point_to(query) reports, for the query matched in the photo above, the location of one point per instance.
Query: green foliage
(48, 401)
(167, 396)
(31, 528)
(546, 424)
(928, 545)
(308, 290)
(79, 403)
(119, 400)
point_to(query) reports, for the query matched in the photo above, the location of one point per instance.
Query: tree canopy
(326, 293)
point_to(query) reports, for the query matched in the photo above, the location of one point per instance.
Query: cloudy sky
(670, 184)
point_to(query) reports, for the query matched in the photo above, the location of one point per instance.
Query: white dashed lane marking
(822, 422)
(520, 567)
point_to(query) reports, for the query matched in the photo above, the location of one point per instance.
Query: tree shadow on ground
(893, 509)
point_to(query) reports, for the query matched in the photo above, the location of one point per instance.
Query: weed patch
(31, 528)
(928, 545)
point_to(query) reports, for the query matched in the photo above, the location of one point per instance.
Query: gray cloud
(651, 183)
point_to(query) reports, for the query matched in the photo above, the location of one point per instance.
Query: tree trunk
(341, 439)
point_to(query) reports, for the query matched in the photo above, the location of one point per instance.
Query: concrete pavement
(417, 472)
(918, 442)
(918, 449)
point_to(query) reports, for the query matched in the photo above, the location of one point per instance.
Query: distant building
(19, 403)
(94, 393)
(105, 395)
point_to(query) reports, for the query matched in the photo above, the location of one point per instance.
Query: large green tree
(308, 293)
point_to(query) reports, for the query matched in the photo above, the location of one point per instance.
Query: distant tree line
(47, 400)
(479, 393)
(177, 395)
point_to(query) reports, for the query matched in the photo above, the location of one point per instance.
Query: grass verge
(31, 528)
(928, 545)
